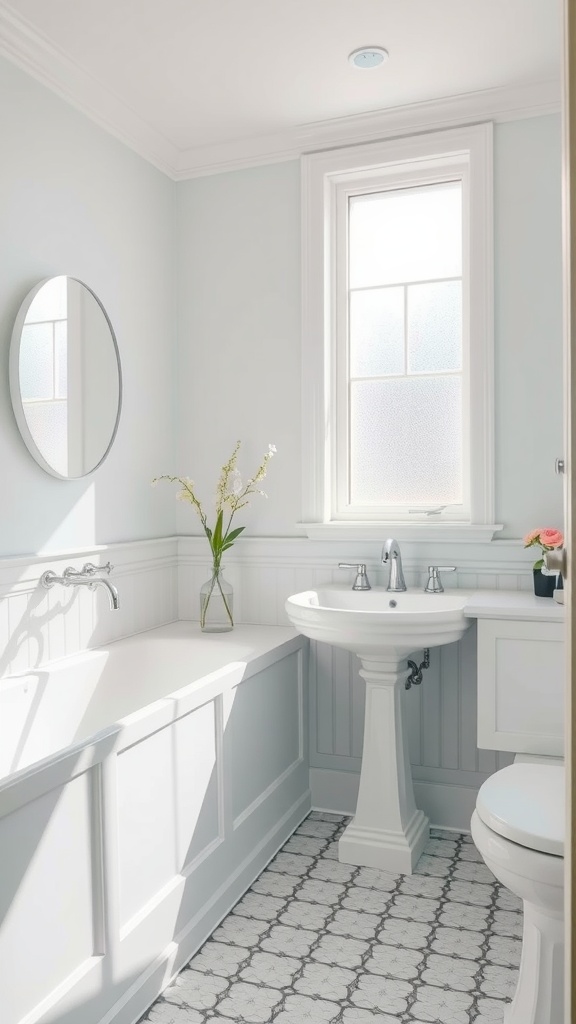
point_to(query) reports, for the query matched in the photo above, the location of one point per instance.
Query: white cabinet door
(521, 674)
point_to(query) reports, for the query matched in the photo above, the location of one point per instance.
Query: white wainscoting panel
(38, 625)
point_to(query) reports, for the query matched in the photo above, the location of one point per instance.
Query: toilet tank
(521, 685)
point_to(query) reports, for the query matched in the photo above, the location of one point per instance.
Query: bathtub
(143, 786)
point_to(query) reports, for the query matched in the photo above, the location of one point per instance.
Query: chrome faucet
(391, 555)
(87, 576)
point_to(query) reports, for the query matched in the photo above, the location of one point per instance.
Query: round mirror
(65, 377)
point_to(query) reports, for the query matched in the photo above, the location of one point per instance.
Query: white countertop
(513, 604)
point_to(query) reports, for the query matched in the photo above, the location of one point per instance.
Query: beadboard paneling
(38, 625)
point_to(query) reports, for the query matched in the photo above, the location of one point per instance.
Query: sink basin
(378, 621)
(388, 831)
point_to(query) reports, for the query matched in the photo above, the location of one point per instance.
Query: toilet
(518, 828)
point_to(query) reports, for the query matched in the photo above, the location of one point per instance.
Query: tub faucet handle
(90, 570)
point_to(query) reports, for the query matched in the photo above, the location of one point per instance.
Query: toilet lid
(525, 803)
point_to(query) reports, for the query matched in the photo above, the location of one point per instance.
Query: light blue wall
(238, 258)
(75, 201)
(238, 255)
(528, 323)
(216, 260)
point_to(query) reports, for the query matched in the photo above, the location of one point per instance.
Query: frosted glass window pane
(48, 424)
(36, 364)
(61, 339)
(50, 303)
(406, 441)
(377, 332)
(435, 327)
(412, 234)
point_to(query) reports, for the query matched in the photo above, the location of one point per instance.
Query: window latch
(426, 511)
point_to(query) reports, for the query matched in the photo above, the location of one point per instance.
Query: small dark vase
(544, 586)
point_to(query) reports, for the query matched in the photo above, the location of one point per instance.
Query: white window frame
(328, 179)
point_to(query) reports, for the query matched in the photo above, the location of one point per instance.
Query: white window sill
(450, 533)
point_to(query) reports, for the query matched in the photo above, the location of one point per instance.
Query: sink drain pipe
(415, 677)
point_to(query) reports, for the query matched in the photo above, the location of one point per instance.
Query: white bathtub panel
(146, 821)
(49, 852)
(150, 836)
(198, 787)
(262, 736)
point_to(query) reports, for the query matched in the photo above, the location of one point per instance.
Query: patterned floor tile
(296, 941)
(448, 972)
(457, 942)
(318, 829)
(272, 883)
(325, 982)
(499, 982)
(355, 924)
(413, 908)
(398, 932)
(291, 863)
(374, 992)
(395, 962)
(504, 951)
(442, 1006)
(314, 941)
(354, 1015)
(506, 922)
(490, 1010)
(439, 866)
(219, 958)
(251, 1003)
(303, 1010)
(340, 951)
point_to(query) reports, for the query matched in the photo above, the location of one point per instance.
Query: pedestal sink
(383, 629)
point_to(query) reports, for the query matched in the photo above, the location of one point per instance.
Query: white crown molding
(499, 105)
(31, 51)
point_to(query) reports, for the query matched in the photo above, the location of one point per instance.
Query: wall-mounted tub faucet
(87, 576)
(391, 556)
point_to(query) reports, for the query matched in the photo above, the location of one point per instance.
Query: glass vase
(216, 604)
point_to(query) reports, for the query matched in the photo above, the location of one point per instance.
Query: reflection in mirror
(65, 379)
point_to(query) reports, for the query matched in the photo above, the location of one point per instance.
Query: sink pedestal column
(387, 831)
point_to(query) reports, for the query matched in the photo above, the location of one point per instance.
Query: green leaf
(538, 564)
(233, 534)
(217, 538)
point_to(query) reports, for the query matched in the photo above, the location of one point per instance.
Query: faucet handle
(361, 582)
(90, 570)
(434, 585)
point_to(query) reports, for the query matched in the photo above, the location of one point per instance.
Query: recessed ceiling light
(367, 57)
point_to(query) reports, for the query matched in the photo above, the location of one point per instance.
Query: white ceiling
(185, 75)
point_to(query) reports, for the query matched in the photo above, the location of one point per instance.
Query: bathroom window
(397, 353)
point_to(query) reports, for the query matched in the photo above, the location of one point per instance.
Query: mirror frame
(14, 380)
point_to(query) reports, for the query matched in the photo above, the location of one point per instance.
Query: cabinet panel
(521, 673)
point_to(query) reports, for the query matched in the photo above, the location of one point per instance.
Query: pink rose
(533, 536)
(551, 538)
